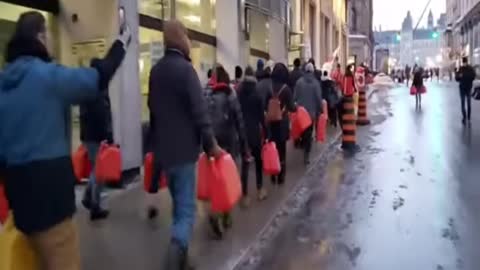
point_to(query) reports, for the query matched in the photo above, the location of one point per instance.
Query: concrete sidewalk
(128, 241)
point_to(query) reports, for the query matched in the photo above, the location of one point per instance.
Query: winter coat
(465, 76)
(280, 131)
(330, 93)
(96, 119)
(177, 103)
(35, 99)
(418, 79)
(295, 75)
(252, 110)
(264, 86)
(308, 94)
(349, 86)
(235, 127)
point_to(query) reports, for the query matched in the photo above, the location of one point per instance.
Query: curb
(295, 190)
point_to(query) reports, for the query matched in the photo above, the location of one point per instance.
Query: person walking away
(227, 121)
(35, 96)
(264, 84)
(296, 73)
(330, 94)
(418, 84)
(338, 77)
(465, 76)
(95, 127)
(349, 89)
(308, 94)
(181, 127)
(238, 77)
(254, 117)
(408, 71)
(279, 103)
(260, 69)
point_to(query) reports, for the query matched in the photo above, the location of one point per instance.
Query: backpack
(219, 110)
(274, 110)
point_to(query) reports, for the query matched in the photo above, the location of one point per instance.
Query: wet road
(408, 200)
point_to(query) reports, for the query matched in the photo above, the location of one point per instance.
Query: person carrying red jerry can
(308, 94)
(228, 125)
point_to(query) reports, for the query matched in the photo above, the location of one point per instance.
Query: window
(259, 31)
(353, 20)
(152, 50)
(198, 15)
(160, 9)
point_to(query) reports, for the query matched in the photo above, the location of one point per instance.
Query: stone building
(361, 41)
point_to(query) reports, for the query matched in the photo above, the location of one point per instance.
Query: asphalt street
(408, 200)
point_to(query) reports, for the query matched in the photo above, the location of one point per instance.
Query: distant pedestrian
(35, 95)
(238, 77)
(308, 94)
(260, 69)
(254, 117)
(408, 72)
(465, 76)
(331, 95)
(264, 83)
(418, 85)
(296, 73)
(279, 130)
(228, 125)
(181, 128)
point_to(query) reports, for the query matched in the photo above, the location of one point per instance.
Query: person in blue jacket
(35, 97)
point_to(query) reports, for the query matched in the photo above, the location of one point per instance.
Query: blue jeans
(94, 188)
(181, 183)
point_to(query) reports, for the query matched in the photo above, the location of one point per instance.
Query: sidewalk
(128, 241)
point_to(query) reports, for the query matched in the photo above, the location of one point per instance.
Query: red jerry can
(301, 120)
(413, 90)
(322, 128)
(108, 167)
(148, 174)
(225, 186)
(3, 205)
(81, 164)
(204, 174)
(271, 159)
(325, 108)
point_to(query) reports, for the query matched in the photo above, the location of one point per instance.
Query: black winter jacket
(465, 76)
(96, 120)
(253, 111)
(180, 120)
(280, 131)
(227, 138)
(295, 74)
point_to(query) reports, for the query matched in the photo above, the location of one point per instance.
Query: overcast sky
(390, 13)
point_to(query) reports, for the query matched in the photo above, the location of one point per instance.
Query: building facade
(360, 22)
(409, 46)
(230, 32)
(318, 30)
(463, 30)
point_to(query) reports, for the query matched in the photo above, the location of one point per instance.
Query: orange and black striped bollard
(362, 119)
(349, 127)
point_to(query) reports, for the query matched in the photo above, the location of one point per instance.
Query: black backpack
(219, 110)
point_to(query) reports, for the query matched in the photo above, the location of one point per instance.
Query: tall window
(197, 14)
(353, 20)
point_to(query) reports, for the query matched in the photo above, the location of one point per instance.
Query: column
(230, 40)
(277, 42)
(126, 96)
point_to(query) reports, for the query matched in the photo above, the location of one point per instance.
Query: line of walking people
(186, 119)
